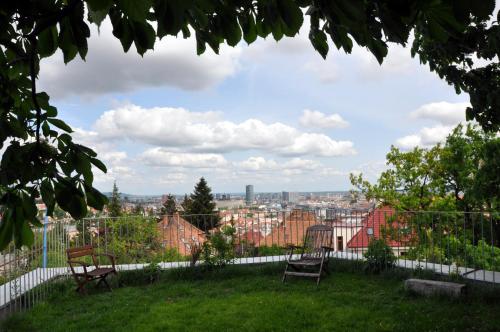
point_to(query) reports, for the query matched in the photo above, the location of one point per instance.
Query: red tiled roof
(376, 220)
(252, 237)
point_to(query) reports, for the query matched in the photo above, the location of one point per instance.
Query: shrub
(218, 250)
(379, 256)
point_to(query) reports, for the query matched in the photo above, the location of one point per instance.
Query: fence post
(45, 222)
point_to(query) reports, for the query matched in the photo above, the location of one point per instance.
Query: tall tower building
(249, 195)
(289, 197)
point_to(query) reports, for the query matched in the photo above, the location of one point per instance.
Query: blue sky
(275, 115)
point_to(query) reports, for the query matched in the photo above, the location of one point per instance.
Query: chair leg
(104, 281)
(284, 273)
(81, 288)
(326, 269)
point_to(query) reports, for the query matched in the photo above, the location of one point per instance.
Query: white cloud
(427, 137)
(409, 142)
(117, 162)
(261, 164)
(326, 71)
(398, 61)
(444, 112)
(447, 114)
(318, 145)
(173, 178)
(164, 158)
(317, 119)
(108, 69)
(207, 132)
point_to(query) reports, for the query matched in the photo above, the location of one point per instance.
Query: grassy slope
(254, 299)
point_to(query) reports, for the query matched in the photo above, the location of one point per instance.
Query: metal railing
(25, 272)
(467, 244)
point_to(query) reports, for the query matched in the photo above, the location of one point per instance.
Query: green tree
(408, 183)
(486, 186)
(138, 209)
(201, 207)
(459, 164)
(42, 161)
(133, 240)
(460, 175)
(115, 205)
(169, 206)
(186, 203)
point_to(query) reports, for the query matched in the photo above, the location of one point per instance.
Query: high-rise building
(290, 197)
(249, 196)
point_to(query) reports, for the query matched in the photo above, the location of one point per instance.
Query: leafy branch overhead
(42, 161)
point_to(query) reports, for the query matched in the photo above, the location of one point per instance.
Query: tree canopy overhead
(41, 160)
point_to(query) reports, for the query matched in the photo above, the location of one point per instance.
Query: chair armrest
(110, 256)
(78, 262)
(82, 263)
(291, 248)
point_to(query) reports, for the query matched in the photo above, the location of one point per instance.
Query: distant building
(376, 226)
(175, 232)
(290, 197)
(229, 204)
(249, 195)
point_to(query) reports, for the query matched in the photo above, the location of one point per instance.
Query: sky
(272, 114)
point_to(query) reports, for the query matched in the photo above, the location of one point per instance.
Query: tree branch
(33, 88)
(53, 19)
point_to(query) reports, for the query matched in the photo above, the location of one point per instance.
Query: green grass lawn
(252, 298)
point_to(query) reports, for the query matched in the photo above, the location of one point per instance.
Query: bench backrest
(78, 252)
(317, 236)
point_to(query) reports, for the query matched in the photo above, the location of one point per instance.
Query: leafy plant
(218, 250)
(152, 271)
(379, 256)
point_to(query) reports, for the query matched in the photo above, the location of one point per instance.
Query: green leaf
(6, 228)
(99, 164)
(51, 111)
(379, 49)
(45, 128)
(60, 124)
(136, 10)
(70, 198)
(79, 30)
(482, 9)
(47, 42)
(95, 198)
(122, 30)
(23, 235)
(249, 28)
(291, 15)
(231, 28)
(319, 42)
(171, 16)
(66, 40)
(144, 37)
(97, 16)
(98, 5)
(47, 192)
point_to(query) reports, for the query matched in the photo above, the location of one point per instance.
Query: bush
(218, 250)
(379, 256)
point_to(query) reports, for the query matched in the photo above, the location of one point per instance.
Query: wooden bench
(75, 256)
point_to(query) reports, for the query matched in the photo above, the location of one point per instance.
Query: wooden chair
(314, 254)
(98, 273)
